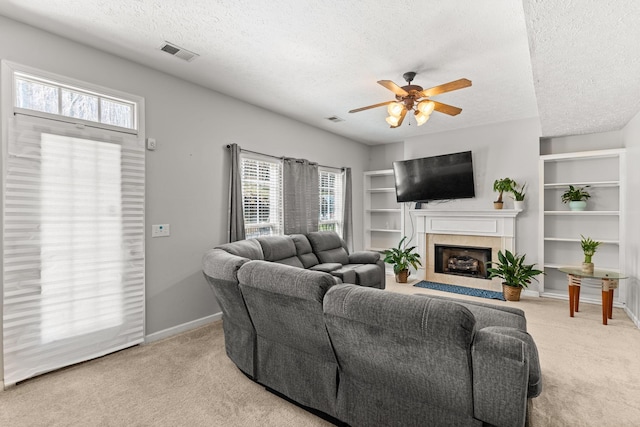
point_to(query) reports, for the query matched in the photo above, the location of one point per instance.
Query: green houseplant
(401, 259)
(589, 247)
(576, 197)
(518, 196)
(514, 273)
(501, 186)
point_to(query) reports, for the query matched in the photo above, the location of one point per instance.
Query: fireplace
(462, 260)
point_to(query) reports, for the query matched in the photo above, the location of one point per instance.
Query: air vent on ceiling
(335, 119)
(178, 51)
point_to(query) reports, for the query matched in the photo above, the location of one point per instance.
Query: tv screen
(449, 176)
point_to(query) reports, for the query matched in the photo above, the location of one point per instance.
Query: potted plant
(518, 196)
(402, 259)
(576, 197)
(502, 185)
(514, 273)
(589, 247)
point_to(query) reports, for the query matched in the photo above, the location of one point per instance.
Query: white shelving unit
(603, 172)
(383, 215)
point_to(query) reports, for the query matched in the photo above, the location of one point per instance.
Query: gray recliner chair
(364, 268)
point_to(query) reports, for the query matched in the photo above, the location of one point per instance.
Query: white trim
(632, 316)
(174, 330)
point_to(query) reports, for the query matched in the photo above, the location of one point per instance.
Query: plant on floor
(589, 247)
(501, 186)
(401, 259)
(514, 273)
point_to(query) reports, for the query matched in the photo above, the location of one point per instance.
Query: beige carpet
(591, 378)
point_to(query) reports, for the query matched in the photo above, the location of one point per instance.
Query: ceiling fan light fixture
(421, 118)
(395, 109)
(426, 107)
(393, 120)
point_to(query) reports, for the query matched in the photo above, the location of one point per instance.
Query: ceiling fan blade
(393, 87)
(447, 87)
(404, 113)
(371, 106)
(446, 109)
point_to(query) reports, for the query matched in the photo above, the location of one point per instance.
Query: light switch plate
(160, 230)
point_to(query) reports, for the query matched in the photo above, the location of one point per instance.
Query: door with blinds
(73, 244)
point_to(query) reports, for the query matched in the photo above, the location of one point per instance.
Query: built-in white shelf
(560, 228)
(385, 210)
(384, 230)
(562, 239)
(382, 190)
(580, 213)
(583, 184)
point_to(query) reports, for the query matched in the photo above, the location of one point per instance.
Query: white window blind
(331, 201)
(73, 245)
(261, 196)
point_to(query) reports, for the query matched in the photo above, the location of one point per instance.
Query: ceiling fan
(414, 98)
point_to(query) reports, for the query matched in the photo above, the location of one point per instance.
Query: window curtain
(347, 208)
(73, 243)
(300, 196)
(236, 215)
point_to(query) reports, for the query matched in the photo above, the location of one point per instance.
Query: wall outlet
(160, 230)
(151, 144)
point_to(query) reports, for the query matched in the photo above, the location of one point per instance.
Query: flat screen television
(449, 176)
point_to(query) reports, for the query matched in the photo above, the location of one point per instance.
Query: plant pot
(402, 276)
(498, 205)
(511, 293)
(518, 205)
(579, 205)
(587, 267)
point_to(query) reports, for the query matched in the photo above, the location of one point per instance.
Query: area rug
(463, 290)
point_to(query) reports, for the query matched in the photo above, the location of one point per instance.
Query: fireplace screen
(462, 260)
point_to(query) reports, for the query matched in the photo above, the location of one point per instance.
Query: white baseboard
(166, 333)
(633, 317)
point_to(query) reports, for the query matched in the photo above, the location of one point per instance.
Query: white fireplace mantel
(483, 228)
(496, 222)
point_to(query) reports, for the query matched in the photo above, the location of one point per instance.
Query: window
(51, 97)
(261, 197)
(330, 201)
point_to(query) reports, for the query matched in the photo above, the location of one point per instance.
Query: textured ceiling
(310, 60)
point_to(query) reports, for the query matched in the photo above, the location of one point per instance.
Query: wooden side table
(609, 282)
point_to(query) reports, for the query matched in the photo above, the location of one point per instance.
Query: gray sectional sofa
(364, 356)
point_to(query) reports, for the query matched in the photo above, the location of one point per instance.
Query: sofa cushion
(304, 251)
(280, 249)
(367, 275)
(250, 249)
(364, 257)
(327, 245)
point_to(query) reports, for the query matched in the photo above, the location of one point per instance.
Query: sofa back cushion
(250, 249)
(304, 250)
(294, 354)
(328, 247)
(280, 249)
(400, 348)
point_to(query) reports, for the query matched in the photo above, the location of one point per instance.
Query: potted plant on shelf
(402, 259)
(518, 196)
(502, 185)
(576, 197)
(589, 247)
(514, 273)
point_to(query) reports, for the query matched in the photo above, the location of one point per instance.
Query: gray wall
(382, 156)
(631, 138)
(187, 175)
(508, 149)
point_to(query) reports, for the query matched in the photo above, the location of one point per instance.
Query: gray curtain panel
(236, 215)
(300, 196)
(347, 219)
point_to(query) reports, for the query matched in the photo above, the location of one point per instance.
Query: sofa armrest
(500, 378)
(364, 257)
